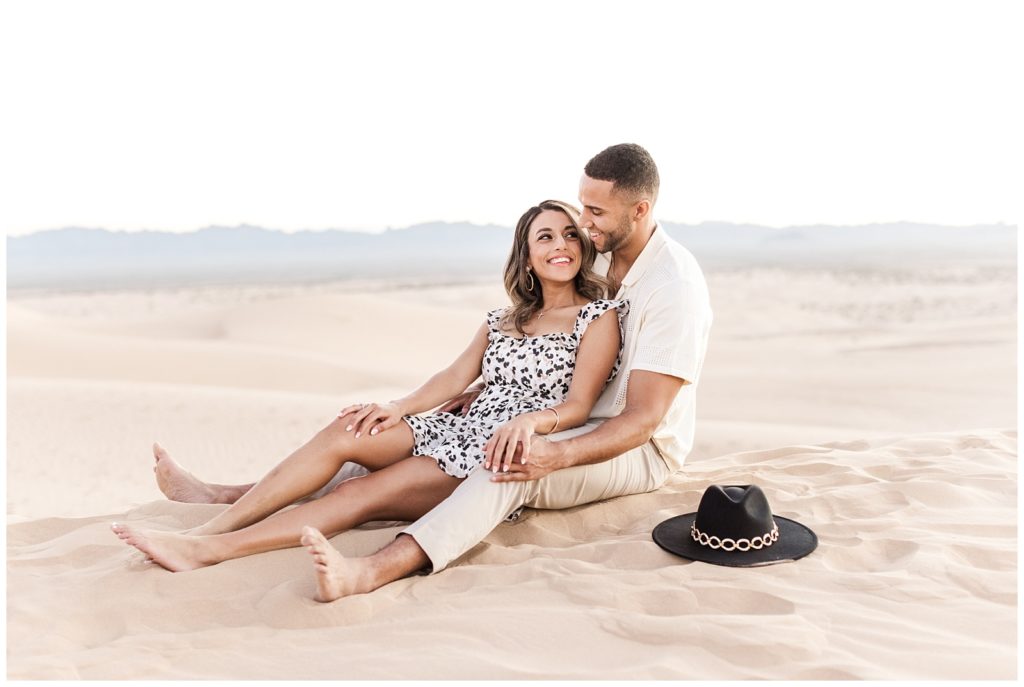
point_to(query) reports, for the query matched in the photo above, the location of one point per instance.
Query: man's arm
(459, 405)
(648, 398)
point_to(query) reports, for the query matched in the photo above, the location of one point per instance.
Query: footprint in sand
(872, 556)
(980, 557)
(716, 601)
(859, 445)
(973, 442)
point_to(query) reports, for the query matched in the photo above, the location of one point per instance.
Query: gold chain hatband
(727, 544)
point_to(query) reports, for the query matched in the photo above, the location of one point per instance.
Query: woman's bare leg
(178, 484)
(309, 468)
(403, 491)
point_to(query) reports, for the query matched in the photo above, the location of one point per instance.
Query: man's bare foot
(336, 576)
(177, 483)
(169, 550)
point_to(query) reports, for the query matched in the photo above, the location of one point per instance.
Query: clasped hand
(517, 454)
(371, 417)
(514, 434)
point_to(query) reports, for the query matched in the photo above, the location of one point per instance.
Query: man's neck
(625, 255)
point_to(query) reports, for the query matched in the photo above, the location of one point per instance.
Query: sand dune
(317, 344)
(914, 578)
(876, 407)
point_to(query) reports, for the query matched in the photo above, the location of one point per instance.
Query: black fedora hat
(734, 526)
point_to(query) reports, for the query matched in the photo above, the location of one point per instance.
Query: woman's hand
(501, 447)
(372, 417)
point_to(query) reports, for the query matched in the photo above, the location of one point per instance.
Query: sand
(877, 407)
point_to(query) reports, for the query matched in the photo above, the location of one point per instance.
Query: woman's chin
(559, 279)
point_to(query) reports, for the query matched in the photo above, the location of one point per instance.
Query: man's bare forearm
(612, 438)
(648, 399)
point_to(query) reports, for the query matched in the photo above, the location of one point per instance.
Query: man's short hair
(628, 166)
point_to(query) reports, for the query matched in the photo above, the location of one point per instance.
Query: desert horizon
(98, 259)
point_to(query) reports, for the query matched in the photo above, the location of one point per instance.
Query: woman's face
(555, 249)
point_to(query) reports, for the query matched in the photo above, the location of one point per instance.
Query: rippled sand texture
(877, 407)
(915, 577)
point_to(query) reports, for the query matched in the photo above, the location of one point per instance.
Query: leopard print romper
(521, 375)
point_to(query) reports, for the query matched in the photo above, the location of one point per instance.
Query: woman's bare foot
(336, 576)
(177, 483)
(172, 551)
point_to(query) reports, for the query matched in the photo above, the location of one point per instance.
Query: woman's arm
(442, 386)
(595, 358)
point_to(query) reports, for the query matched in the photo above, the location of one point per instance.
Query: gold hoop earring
(531, 283)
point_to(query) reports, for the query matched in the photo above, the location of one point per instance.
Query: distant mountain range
(77, 258)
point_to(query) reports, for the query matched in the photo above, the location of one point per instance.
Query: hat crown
(734, 512)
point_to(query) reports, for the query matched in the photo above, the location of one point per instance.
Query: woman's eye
(543, 236)
(571, 235)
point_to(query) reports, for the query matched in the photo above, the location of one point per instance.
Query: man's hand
(545, 458)
(460, 404)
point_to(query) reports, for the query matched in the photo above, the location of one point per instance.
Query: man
(642, 426)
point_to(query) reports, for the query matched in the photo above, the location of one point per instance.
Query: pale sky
(311, 115)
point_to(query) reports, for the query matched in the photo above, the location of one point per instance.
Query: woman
(544, 361)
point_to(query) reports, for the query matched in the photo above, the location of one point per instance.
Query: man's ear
(642, 209)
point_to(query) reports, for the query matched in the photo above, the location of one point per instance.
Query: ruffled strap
(594, 309)
(493, 320)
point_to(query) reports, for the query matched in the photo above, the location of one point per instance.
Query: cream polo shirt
(665, 331)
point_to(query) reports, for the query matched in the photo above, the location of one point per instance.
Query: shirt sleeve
(674, 330)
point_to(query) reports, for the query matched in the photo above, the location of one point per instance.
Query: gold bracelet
(552, 430)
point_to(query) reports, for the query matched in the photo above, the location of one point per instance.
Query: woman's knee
(336, 434)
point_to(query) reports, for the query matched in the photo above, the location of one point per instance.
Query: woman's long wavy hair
(527, 302)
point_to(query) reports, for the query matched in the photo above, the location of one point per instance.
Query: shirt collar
(646, 257)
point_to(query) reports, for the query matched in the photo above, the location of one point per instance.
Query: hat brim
(795, 541)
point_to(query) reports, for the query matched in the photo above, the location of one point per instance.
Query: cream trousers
(478, 505)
